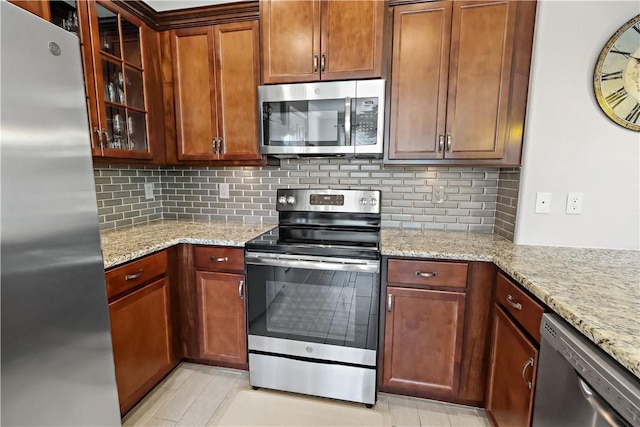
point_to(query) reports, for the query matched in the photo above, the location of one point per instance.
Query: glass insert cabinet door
(119, 83)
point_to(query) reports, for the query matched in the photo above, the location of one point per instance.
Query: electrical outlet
(574, 203)
(543, 203)
(438, 194)
(223, 189)
(148, 191)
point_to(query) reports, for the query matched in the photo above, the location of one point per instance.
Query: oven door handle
(316, 263)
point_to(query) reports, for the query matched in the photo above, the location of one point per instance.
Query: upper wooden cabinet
(37, 7)
(122, 77)
(215, 76)
(312, 40)
(460, 73)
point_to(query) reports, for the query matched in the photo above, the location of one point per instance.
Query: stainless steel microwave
(343, 118)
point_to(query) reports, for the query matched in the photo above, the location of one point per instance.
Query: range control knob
(373, 202)
(291, 200)
(364, 201)
(282, 200)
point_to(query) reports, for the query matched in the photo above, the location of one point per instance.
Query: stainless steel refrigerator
(56, 355)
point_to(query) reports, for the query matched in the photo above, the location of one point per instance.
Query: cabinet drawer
(213, 258)
(427, 273)
(126, 277)
(521, 306)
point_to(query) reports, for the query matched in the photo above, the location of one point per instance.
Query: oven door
(313, 307)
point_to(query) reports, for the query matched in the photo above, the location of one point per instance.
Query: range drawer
(427, 273)
(124, 278)
(217, 258)
(527, 311)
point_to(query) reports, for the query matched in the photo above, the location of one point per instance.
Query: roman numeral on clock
(634, 115)
(614, 99)
(619, 52)
(611, 76)
(637, 28)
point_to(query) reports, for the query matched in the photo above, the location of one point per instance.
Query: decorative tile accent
(507, 202)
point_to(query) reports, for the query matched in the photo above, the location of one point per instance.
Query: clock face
(617, 76)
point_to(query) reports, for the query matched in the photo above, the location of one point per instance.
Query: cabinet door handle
(106, 138)
(315, 64)
(440, 143)
(220, 146)
(221, 259)
(347, 120)
(389, 302)
(240, 286)
(134, 275)
(524, 369)
(322, 62)
(430, 274)
(448, 141)
(97, 132)
(213, 145)
(513, 304)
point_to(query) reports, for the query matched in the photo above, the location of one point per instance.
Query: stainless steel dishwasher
(578, 384)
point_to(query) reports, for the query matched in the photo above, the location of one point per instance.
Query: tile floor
(196, 395)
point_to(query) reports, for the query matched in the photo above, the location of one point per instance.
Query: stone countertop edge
(541, 270)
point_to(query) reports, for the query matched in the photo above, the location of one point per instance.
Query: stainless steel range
(313, 291)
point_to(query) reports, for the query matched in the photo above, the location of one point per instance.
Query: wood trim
(188, 301)
(37, 7)
(192, 17)
(475, 344)
(519, 90)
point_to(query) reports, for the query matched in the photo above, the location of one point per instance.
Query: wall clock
(616, 78)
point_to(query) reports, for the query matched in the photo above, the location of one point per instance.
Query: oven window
(323, 306)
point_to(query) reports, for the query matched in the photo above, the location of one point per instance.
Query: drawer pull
(133, 276)
(524, 369)
(240, 286)
(421, 274)
(389, 302)
(221, 259)
(514, 304)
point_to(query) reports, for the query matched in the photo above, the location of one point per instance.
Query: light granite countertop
(126, 244)
(595, 290)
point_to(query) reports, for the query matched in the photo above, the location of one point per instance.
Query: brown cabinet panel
(421, 39)
(129, 276)
(219, 258)
(423, 341)
(512, 372)
(290, 40)
(427, 273)
(459, 81)
(524, 309)
(141, 336)
(304, 41)
(215, 78)
(352, 33)
(37, 7)
(221, 317)
(238, 75)
(195, 93)
(481, 53)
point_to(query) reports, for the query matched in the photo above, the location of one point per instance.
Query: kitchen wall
(192, 193)
(570, 145)
(507, 202)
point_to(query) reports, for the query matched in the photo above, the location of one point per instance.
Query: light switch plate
(148, 191)
(223, 189)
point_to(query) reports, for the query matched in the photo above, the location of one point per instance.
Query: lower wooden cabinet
(512, 373)
(435, 329)
(142, 341)
(221, 317)
(423, 340)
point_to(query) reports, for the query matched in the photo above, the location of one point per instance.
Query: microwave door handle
(347, 120)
